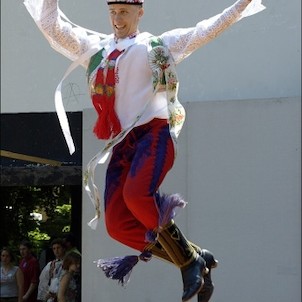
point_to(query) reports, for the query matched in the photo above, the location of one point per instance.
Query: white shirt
(134, 88)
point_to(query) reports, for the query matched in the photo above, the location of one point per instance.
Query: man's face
(124, 19)
(24, 251)
(58, 251)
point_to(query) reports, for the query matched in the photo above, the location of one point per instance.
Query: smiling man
(125, 18)
(133, 86)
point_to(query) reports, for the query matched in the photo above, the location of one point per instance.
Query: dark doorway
(34, 154)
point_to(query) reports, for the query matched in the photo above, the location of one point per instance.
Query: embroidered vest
(164, 77)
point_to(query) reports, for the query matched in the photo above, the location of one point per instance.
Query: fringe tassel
(120, 268)
(167, 205)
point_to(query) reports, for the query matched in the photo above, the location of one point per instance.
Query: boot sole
(187, 299)
(204, 272)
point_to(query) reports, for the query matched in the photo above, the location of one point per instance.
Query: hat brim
(123, 2)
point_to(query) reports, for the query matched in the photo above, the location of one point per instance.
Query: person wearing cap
(133, 86)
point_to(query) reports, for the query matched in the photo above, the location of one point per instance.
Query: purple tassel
(151, 236)
(167, 205)
(120, 268)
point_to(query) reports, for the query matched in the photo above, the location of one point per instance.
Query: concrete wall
(239, 169)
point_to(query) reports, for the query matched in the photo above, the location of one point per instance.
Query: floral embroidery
(165, 79)
(172, 83)
(159, 58)
(99, 89)
(158, 61)
(176, 118)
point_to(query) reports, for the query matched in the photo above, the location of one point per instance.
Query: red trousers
(136, 169)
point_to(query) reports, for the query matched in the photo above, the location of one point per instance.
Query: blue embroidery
(142, 153)
(161, 153)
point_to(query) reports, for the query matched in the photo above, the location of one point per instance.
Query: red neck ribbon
(107, 124)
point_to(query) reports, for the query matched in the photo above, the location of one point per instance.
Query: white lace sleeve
(64, 36)
(71, 40)
(182, 42)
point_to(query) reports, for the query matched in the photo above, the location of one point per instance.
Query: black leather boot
(206, 292)
(193, 279)
(192, 266)
(208, 288)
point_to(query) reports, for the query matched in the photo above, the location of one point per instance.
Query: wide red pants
(137, 168)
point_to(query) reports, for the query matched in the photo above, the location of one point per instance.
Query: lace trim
(72, 41)
(207, 30)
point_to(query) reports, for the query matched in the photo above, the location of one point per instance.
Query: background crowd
(56, 279)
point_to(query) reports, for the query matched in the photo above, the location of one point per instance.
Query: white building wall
(239, 169)
(239, 160)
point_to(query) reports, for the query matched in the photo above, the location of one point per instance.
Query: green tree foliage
(17, 223)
